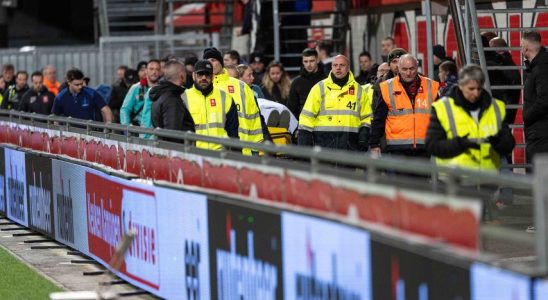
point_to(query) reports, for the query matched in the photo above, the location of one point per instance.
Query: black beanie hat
(439, 51)
(213, 53)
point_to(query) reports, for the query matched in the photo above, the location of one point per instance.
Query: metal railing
(352, 165)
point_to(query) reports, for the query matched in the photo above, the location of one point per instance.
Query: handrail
(315, 155)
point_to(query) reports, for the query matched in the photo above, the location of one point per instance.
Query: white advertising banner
(324, 259)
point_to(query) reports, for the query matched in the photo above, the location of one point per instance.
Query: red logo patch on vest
(351, 91)
(231, 89)
(397, 93)
(212, 102)
(420, 89)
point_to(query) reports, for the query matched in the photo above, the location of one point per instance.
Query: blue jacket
(85, 105)
(133, 107)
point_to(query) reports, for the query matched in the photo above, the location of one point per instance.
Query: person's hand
(494, 139)
(239, 31)
(375, 152)
(466, 143)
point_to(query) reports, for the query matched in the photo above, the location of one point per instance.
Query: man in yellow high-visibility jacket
(252, 128)
(336, 113)
(212, 110)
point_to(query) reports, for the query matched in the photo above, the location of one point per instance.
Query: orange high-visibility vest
(405, 124)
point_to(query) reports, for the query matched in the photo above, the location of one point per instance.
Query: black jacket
(119, 91)
(168, 110)
(37, 102)
(12, 97)
(504, 78)
(437, 143)
(367, 76)
(300, 87)
(535, 98)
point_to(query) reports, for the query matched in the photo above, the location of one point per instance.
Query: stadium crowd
(388, 107)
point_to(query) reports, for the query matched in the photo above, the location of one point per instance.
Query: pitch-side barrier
(223, 226)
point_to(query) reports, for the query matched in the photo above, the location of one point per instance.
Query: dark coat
(437, 143)
(504, 78)
(37, 102)
(300, 87)
(168, 110)
(535, 98)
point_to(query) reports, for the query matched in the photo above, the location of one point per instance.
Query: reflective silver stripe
(364, 125)
(250, 116)
(400, 112)
(450, 117)
(322, 96)
(419, 141)
(497, 113)
(366, 116)
(336, 128)
(307, 113)
(209, 125)
(391, 93)
(338, 112)
(250, 132)
(185, 99)
(304, 127)
(359, 104)
(429, 87)
(399, 142)
(367, 87)
(422, 111)
(223, 106)
(242, 95)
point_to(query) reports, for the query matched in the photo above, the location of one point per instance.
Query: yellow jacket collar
(223, 76)
(351, 81)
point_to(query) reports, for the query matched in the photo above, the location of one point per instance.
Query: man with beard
(38, 99)
(252, 126)
(213, 110)
(14, 93)
(301, 85)
(132, 110)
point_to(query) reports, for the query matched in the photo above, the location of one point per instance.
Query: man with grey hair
(468, 129)
(168, 110)
(403, 111)
(535, 94)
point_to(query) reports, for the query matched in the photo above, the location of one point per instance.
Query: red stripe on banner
(141, 280)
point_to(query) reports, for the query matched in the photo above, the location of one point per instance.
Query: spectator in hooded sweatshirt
(38, 99)
(310, 74)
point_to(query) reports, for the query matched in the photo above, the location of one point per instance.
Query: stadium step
(468, 13)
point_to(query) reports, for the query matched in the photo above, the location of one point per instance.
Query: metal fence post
(429, 41)
(276, 23)
(540, 193)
